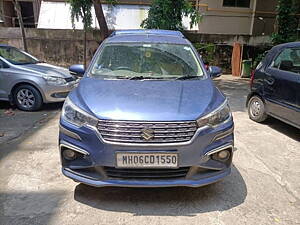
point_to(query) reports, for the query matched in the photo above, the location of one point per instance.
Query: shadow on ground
(46, 107)
(236, 90)
(17, 125)
(29, 207)
(177, 201)
(283, 128)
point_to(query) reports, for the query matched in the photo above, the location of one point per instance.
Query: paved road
(264, 187)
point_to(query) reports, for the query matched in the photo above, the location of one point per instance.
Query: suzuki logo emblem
(147, 134)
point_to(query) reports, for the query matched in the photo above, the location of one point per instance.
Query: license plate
(147, 160)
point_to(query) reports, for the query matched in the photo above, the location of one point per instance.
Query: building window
(237, 3)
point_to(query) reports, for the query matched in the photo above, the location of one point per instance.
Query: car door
(283, 78)
(3, 83)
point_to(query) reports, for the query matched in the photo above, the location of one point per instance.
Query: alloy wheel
(26, 98)
(255, 108)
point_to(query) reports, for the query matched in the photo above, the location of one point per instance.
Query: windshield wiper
(135, 78)
(146, 78)
(187, 77)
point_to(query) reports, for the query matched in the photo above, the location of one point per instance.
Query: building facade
(237, 17)
(227, 17)
(29, 11)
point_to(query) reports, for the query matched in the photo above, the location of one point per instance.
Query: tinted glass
(237, 3)
(147, 60)
(288, 60)
(16, 57)
(1, 64)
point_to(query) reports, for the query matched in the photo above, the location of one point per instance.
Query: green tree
(286, 21)
(81, 10)
(168, 14)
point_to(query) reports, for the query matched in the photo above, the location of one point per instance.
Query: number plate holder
(146, 160)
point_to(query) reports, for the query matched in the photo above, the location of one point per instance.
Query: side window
(288, 60)
(3, 64)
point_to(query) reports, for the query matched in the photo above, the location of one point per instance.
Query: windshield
(16, 57)
(161, 61)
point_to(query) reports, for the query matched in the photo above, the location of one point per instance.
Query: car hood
(147, 100)
(47, 69)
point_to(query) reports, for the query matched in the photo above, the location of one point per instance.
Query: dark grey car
(28, 82)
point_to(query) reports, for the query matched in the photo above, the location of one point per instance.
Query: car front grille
(146, 132)
(117, 173)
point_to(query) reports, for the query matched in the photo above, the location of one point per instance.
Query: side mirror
(77, 70)
(214, 71)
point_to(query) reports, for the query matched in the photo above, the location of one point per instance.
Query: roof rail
(145, 31)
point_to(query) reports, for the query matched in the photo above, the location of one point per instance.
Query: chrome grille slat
(148, 125)
(145, 122)
(142, 141)
(173, 130)
(131, 131)
(138, 136)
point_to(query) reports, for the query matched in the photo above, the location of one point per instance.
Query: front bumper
(98, 155)
(53, 93)
(150, 183)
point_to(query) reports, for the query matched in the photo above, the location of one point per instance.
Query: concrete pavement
(264, 187)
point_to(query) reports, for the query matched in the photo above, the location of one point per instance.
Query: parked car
(146, 114)
(275, 86)
(28, 82)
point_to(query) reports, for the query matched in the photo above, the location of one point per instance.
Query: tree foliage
(287, 21)
(168, 14)
(81, 9)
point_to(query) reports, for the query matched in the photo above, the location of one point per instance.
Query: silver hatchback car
(28, 82)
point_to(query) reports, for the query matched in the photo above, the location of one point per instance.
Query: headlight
(55, 80)
(216, 117)
(77, 116)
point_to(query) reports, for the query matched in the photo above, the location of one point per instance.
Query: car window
(149, 60)
(16, 57)
(288, 60)
(2, 64)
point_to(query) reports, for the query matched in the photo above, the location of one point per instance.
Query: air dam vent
(116, 173)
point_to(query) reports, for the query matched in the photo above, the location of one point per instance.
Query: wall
(267, 10)
(60, 47)
(224, 20)
(65, 47)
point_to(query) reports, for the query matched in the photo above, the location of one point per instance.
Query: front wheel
(27, 98)
(256, 109)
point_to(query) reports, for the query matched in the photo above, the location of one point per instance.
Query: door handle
(270, 80)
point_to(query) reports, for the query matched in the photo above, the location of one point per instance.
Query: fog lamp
(69, 154)
(223, 155)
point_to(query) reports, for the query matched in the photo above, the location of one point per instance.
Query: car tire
(257, 109)
(27, 98)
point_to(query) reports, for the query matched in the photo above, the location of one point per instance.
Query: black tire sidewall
(38, 98)
(262, 113)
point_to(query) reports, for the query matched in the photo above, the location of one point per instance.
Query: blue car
(146, 114)
(275, 86)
